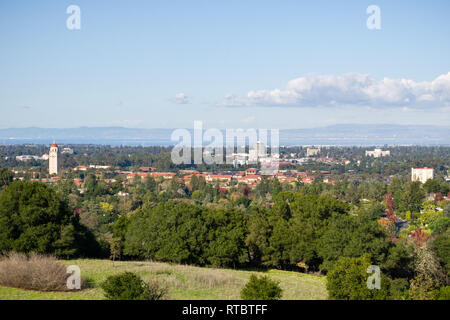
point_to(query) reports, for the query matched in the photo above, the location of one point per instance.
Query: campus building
(310, 152)
(421, 174)
(377, 153)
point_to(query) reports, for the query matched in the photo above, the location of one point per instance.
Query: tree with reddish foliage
(419, 237)
(390, 207)
(438, 197)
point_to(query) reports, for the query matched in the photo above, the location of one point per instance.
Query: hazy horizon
(350, 134)
(236, 127)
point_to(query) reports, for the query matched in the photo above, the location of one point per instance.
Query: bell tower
(53, 162)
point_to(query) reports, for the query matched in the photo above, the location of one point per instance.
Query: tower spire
(53, 162)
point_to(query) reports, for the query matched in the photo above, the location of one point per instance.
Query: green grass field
(184, 282)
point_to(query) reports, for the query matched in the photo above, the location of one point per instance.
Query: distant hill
(349, 134)
(345, 134)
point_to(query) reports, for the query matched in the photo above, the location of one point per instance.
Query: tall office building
(257, 152)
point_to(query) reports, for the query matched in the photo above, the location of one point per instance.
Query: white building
(312, 152)
(421, 174)
(377, 153)
(53, 162)
(67, 150)
(96, 166)
(27, 157)
(257, 152)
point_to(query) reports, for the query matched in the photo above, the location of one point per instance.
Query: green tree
(296, 223)
(115, 248)
(440, 225)
(120, 227)
(6, 177)
(347, 280)
(429, 213)
(399, 262)
(33, 217)
(177, 232)
(349, 236)
(441, 247)
(261, 288)
(432, 186)
(276, 188)
(413, 196)
(257, 239)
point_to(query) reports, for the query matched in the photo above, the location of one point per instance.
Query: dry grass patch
(213, 278)
(160, 269)
(33, 272)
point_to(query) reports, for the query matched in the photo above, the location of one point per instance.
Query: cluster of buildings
(227, 179)
(257, 154)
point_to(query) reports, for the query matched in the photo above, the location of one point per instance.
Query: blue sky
(231, 64)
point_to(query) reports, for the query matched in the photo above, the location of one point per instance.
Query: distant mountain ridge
(343, 134)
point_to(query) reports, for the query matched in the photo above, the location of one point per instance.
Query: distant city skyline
(252, 64)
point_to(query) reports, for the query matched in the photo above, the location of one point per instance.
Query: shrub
(422, 288)
(261, 288)
(33, 272)
(129, 286)
(399, 289)
(440, 225)
(443, 293)
(347, 280)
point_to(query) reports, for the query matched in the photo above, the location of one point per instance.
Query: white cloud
(351, 89)
(181, 98)
(234, 100)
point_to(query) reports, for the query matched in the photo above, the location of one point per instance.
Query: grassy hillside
(184, 282)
